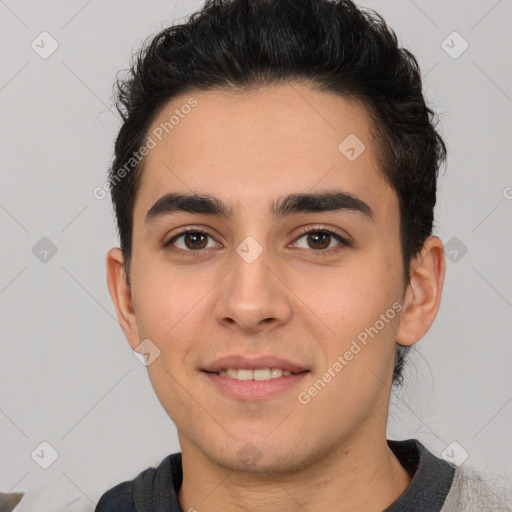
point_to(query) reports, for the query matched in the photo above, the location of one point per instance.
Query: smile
(258, 384)
(258, 374)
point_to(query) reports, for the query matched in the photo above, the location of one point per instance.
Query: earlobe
(423, 294)
(121, 296)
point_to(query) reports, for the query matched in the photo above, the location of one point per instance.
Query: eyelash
(319, 252)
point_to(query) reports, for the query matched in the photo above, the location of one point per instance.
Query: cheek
(174, 311)
(163, 299)
(364, 311)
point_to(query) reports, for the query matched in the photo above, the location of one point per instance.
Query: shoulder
(472, 490)
(117, 499)
(139, 494)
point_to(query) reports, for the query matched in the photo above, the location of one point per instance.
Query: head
(247, 103)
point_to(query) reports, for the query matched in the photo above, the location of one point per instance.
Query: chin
(258, 455)
(258, 463)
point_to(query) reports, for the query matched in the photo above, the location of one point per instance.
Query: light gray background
(69, 377)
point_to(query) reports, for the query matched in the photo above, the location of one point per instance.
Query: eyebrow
(326, 201)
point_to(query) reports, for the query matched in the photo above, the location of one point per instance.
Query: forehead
(250, 148)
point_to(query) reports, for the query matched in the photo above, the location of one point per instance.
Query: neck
(361, 475)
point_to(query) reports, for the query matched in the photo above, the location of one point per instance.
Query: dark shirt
(156, 490)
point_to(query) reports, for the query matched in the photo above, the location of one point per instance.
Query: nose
(253, 296)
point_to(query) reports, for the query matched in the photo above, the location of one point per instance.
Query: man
(274, 184)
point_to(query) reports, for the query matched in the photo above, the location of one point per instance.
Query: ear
(423, 295)
(121, 296)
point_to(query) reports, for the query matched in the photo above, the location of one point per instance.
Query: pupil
(194, 236)
(313, 237)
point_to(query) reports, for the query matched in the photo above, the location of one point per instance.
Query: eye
(319, 239)
(193, 241)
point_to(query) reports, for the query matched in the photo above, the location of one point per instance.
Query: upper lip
(252, 363)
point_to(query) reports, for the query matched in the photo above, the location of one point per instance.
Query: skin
(293, 301)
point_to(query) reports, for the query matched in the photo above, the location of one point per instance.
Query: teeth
(259, 374)
(245, 374)
(263, 374)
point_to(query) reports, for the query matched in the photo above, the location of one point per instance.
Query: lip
(253, 363)
(254, 389)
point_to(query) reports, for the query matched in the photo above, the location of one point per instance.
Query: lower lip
(255, 389)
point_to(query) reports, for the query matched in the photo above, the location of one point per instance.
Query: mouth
(259, 374)
(261, 364)
(259, 378)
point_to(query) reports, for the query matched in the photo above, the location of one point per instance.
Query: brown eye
(320, 240)
(197, 240)
(192, 241)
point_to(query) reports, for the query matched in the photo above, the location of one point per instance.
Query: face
(252, 285)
